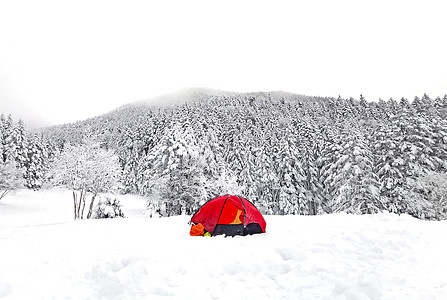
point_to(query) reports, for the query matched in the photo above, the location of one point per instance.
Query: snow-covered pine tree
(37, 163)
(310, 146)
(174, 172)
(405, 104)
(21, 144)
(15, 143)
(265, 179)
(245, 169)
(388, 167)
(444, 101)
(439, 131)
(132, 156)
(393, 107)
(11, 176)
(238, 146)
(219, 179)
(326, 165)
(8, 142)
(402, 154)
(291, 176)
(134, 143)
(428, 105)
(3, 135)
(357, 186)
(417, 104)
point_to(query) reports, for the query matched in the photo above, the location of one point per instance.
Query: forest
(287, 153)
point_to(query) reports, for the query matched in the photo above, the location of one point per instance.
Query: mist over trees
(289, 154)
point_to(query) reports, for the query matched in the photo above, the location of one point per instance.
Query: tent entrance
(230, 220)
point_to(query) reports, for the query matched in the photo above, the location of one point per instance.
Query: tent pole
(221, 210)
(245, 212)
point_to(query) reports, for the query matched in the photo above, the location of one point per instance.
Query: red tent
(230, 215)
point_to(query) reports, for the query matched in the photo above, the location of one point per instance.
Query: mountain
(182, 96)
(132, 114)
(199, 94)
(290, 154)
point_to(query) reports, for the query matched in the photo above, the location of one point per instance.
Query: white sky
(62, 61)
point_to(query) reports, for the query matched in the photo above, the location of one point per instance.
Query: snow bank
(45, 254)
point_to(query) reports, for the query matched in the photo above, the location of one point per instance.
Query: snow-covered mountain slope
(47, 255)
(182, 96)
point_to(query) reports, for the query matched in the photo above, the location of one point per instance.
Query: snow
(45, 254)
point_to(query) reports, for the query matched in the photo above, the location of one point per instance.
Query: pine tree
(417, 104)
(405, 104)
(388, 167)
(11, 159)
(3, 135)
(310, 145)
(290, 174)
(428, 105)
(174, 172)
(405, 151)
(357, 187)
(9, 147)
(265, 180)
(326, 165)
(219, 179)
(37, 163)
(21, 144)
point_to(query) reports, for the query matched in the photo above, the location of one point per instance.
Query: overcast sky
(62, 61)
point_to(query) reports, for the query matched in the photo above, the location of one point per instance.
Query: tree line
(289, 154)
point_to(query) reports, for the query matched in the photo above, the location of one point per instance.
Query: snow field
(47, 255)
